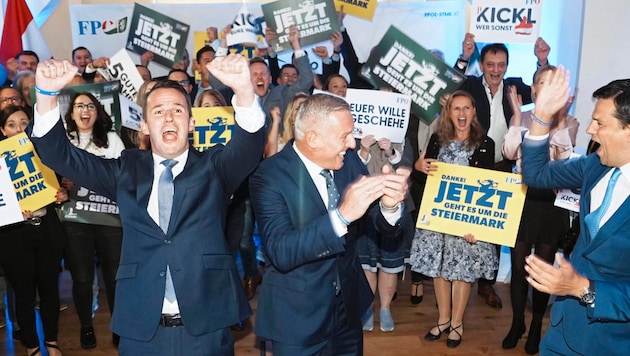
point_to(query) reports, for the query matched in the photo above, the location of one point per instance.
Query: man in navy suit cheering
(591, 315)
(178, 289)
(312, 200)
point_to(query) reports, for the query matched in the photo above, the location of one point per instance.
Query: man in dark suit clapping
(314, 291)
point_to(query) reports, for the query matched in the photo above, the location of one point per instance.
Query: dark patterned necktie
(333, 193)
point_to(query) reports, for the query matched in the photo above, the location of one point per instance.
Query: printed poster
(379, 113)
(459, 200)
(243, 28)
(34, 183)
(399, 63)
(86, 207)
(359, 8)
(155, 32)
(10, 212)
(122, 68)
(213, 125)
(506, 21)
(315, 19)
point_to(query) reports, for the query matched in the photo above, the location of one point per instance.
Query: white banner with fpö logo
(506, 21)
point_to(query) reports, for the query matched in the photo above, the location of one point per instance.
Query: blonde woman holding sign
(454, 262)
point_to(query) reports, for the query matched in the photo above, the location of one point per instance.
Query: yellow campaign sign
(459, 200)
(213, 126)
(34, 183)
(359, 8)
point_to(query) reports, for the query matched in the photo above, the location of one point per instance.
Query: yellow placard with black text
(213, 125)
(359, 8)
(34, 183)
(459, 200)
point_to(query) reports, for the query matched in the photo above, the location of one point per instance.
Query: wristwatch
(588, 296)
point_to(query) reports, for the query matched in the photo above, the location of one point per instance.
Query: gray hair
(315, 111)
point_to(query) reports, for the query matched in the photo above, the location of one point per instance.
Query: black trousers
(31, 257)
(83, 241)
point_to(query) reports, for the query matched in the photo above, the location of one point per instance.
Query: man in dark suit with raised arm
(178, 289)
(314, 291)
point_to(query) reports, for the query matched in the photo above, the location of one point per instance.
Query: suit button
(162, 273)
(167, 242)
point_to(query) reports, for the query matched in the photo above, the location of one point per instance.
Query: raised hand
(233, 71)
(294, 38)
(468, 45)
(321, 52)
(541, 50)
(550, 98)
(50, 77)
(516, 101)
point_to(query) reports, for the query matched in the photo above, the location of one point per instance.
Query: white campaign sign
(508, 21)
(380, 113)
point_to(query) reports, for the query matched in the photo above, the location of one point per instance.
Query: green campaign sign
(86, 207)
(400, 63)
(315, 19)
(152, 31)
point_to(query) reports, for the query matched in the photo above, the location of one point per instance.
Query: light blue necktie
(593, 219)
(331, 187)
(165, 205)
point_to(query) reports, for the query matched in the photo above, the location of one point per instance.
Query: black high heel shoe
(533, 338)
(432, 337)
(451, 343)
(516, 332)
(415, 298)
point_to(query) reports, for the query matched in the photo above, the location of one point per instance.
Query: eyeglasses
(82, 107)
(12, 100)
(290, 76)
(184, 82)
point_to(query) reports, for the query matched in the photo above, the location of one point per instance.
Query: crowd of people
(335, 214)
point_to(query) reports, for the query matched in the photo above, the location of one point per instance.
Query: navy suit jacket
(304, 255)
(474, 86)
(204, 273)
(604, 329)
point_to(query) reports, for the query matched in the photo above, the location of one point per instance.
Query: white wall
(604, 56)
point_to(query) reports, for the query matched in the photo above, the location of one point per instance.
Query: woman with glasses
(89, 128)
(30, 254)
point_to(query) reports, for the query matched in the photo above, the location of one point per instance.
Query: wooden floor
(485, 328)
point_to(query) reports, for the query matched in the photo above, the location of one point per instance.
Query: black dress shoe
(516, 332)
(452, 343)
(88, 339)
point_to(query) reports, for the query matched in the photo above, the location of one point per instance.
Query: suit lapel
(616, 221)
(181, 186)
(144, 182)
(299, 174)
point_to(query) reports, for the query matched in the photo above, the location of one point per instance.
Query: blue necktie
(165, 205)
(331, 187)
(593, 219)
